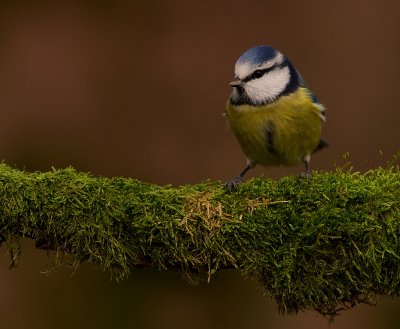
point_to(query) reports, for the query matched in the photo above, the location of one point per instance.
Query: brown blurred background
(138, 89)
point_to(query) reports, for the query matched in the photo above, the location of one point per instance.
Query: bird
(274, 115)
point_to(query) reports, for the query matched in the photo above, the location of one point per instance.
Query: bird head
(262, 75)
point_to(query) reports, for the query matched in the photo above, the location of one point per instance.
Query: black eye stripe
(259, 73)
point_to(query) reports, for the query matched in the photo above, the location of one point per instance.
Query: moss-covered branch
(320, 243)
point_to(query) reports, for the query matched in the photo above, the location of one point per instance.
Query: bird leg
(307, 172)
(230, 185)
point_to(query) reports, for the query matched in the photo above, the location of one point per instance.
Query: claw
(306, 174)
(231, 185)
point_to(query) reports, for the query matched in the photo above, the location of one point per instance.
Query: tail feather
(322, 144)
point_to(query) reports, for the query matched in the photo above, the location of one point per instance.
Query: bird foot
(231, 185)
(305, 174)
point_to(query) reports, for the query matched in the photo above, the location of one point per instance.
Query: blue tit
(275, 117)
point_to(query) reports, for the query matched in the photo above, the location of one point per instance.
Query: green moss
(322, 243)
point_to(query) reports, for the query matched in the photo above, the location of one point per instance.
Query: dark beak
(236, 82)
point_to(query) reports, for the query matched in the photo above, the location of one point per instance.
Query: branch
(324, 243)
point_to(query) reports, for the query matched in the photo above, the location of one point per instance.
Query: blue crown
(258, 55)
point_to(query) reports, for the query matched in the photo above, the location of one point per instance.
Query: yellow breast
(280, 133)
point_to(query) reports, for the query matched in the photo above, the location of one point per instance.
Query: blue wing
(314, 98)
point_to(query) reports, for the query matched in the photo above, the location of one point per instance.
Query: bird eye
(257, 74)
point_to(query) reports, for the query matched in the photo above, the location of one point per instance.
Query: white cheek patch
(269, 86)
